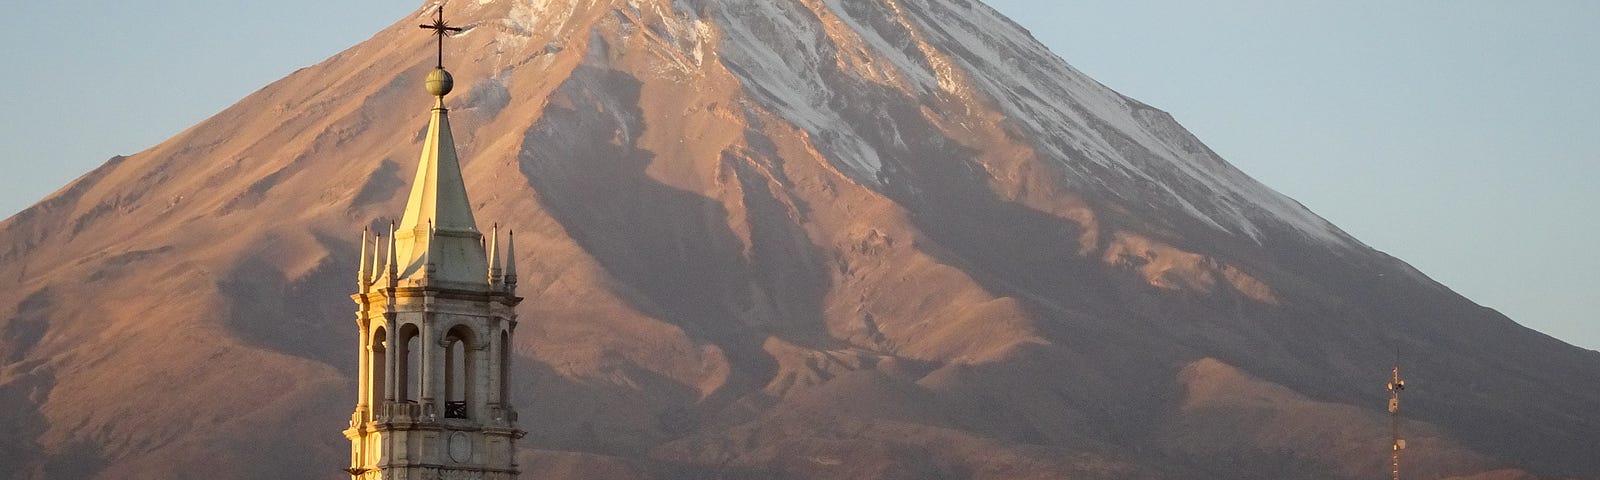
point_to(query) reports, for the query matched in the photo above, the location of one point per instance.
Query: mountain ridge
(704, 263)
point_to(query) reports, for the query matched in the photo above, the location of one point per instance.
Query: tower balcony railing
(455, 410)
(400, 411)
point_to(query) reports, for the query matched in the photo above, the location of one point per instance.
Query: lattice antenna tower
(1396, 385)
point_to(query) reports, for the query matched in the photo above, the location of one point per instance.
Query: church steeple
(438, 210)
(436, 323)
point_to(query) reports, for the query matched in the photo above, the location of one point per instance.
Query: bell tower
(436, 312)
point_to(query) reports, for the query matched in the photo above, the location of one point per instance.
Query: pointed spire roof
(438, 238)
(391, 266)
(363, 275)
(495, 270)
(377, 257)
(438, 218)
(510, 276)
(438, 192)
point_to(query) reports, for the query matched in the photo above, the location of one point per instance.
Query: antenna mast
(1395, 386)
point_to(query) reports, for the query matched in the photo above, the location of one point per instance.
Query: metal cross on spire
(440, 29)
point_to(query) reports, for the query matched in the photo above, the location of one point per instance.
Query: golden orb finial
(440, 83)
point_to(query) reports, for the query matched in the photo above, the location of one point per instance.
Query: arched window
(409, 370)
(459, 363)
(378, 363)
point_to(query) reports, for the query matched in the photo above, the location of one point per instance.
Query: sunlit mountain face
(803, 239)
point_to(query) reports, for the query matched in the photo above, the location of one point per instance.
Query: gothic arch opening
(460, 360)
(409, 370)
(378, 365)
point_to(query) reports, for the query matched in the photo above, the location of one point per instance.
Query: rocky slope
(785, 239)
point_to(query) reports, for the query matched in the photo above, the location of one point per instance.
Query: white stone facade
(436, 313)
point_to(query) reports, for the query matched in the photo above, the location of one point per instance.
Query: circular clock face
(460, 447)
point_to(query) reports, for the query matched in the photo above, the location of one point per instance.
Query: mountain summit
(830, 239)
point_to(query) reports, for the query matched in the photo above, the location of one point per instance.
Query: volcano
(795, 239)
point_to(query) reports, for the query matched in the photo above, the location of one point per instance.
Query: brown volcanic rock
(787, 239)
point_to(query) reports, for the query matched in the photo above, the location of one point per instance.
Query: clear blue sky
(1458, 135)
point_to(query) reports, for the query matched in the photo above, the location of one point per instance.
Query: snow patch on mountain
(1063, 108)
(778, 49)
(778, 56)
(782, 52)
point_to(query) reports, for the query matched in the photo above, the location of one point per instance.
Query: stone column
(390, 381)
(492, 364)
(427, 356)
(363, 364)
